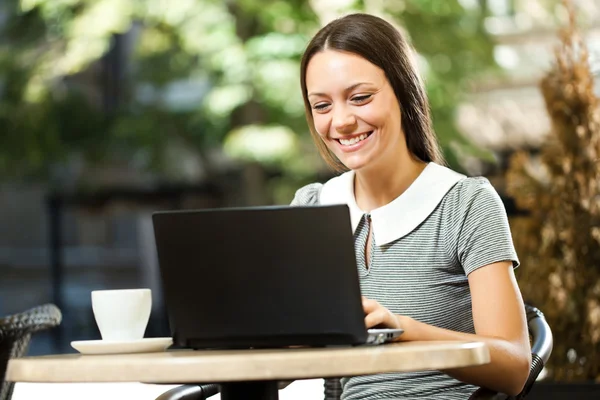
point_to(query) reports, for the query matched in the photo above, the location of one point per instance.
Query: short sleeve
(307, 195)
(485, 236)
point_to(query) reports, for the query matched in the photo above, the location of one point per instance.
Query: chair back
(15, 335)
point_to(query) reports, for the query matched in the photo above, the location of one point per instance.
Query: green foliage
(196, 71)
(457, 50)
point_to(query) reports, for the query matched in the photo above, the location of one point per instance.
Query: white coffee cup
(122, 315)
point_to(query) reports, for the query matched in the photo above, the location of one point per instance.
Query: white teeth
(349, 142)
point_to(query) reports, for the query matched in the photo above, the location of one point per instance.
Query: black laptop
(262, 277)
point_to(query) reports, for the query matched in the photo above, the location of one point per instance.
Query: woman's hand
(378, 316)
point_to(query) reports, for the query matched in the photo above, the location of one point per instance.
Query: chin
(355, 165)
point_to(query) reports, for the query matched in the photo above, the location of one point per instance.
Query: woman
(434, 249)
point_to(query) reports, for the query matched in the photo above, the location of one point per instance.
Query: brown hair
(381, 44)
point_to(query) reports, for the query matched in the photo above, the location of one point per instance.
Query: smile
(354, 140)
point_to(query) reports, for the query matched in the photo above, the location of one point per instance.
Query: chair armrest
(537, 365)
(487, 394)
(200, 392)
(190, 392)
(33, 320)
(540, 330)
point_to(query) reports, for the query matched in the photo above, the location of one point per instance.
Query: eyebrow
(348, 89)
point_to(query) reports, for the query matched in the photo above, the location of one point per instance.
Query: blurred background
(112, 109)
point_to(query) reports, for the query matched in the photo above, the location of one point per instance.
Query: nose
(343, 120)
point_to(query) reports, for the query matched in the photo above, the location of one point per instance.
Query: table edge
(468, 353)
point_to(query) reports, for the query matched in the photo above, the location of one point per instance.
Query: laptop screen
(230, 274)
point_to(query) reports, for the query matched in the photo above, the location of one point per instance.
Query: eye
(362, 98)
(320, 106)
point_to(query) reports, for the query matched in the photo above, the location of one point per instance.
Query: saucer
(146, 345)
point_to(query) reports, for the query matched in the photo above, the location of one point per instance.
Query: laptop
(259, 277)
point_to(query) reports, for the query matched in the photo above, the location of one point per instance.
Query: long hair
(380, 43)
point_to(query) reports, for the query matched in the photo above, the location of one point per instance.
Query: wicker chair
(541, 349)
(15, 335)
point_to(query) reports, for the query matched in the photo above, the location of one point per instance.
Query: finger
(377, 317)
(370, 305)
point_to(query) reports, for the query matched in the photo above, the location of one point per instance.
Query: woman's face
(354, 109)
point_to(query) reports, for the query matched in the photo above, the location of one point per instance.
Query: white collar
(401, 216)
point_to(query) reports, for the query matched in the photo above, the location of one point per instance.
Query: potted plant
(558, 239)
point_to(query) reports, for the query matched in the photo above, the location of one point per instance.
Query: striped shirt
(425, 244)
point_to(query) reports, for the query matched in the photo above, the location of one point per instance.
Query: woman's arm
(500, 322)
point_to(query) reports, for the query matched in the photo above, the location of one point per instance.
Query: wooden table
(247, 374)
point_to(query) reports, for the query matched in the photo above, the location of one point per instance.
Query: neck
(375, 188)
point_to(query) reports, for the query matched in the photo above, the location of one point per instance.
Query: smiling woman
(433, 247)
